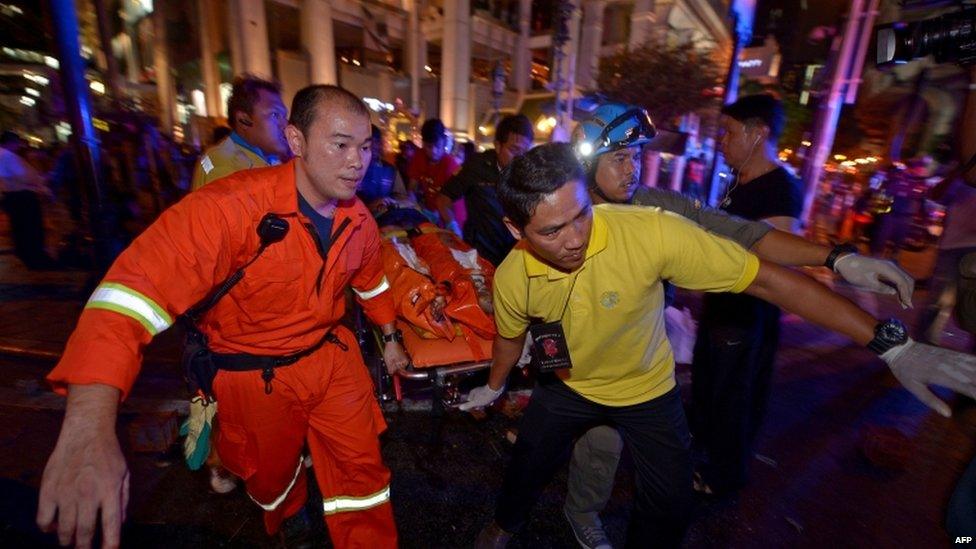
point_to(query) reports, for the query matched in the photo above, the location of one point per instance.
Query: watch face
(892, 331)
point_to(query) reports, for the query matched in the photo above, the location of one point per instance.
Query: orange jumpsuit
(286, 301)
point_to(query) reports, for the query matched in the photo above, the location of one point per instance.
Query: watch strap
(887, 335)
(838, 251)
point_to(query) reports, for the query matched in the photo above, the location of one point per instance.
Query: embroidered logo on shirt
(609, 300)
(207, 164)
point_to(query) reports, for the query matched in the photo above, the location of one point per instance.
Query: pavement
(845, 458)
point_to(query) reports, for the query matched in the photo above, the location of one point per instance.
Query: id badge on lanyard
(550, 350)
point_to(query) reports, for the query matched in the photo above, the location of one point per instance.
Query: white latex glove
(917, 365)
(871, 274)
(479, 397)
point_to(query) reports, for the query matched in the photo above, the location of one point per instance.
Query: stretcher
(442, 294)
(439, 362)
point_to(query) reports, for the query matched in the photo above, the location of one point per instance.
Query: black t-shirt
(775, 194)
(476, 184)
(322, 225)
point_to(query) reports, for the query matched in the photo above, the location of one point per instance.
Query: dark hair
(308, 98)
(541, 171)
(762, 108)
(218, 133)
(432, 130)
(246, 93)
(8, 137)
(518, 124)
(377, 133)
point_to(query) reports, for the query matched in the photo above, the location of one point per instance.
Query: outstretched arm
(915, 365)
(781, 247)
(876, 275)
(86, 474)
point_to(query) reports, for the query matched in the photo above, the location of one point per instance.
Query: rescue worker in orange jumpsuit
(257, 117)
(289, 300)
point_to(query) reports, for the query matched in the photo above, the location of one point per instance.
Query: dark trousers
(961, 514)
(732, 375)
(655, 432)
(26, 227)
(945, 277)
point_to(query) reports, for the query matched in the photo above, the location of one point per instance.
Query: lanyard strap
(569, 296)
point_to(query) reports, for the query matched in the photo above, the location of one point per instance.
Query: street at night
(487, 273)
(846, 457)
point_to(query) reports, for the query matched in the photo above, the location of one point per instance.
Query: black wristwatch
(888, 334)
(395, 336)
(839, 250)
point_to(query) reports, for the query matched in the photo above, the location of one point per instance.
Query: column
(591, 39)
(319, 41)
(641, 22)
(114, 80)
(678, 172)
(650, 168)
(235, 41)
(456, 66)
(252, 29)
(132, 66)
(522, 59)
(416, 51)
(565, 70)
(208, 63)
(164, 80)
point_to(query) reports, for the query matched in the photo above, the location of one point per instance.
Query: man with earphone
(257, 118)
(739, 334)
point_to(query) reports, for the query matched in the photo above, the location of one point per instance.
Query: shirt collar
(599, 236)
(285, 200)
(271, 159)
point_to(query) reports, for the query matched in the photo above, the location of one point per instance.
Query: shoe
(221, 480)
(296, 531)
(589, 536)
(492, 537)
(700, 486)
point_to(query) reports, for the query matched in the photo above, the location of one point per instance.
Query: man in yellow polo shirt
(588, 281)
(258, 118)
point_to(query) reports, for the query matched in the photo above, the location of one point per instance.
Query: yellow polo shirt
(614, 323)
(223, 159)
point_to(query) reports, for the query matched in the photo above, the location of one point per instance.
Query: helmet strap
(591, 180)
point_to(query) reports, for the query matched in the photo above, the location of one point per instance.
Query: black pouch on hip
(198, 365)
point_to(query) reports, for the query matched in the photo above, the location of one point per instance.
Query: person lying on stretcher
(440, 284)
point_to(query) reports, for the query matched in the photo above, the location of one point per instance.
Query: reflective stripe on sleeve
(370, 294)
(126, 301)
(345, 503)
(274, 504)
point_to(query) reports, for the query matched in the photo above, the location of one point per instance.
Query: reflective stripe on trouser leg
(343, 438)
(274, 504)
(351, 503)
(260, 439)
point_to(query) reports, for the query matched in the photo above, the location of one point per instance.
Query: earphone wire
(727, 201)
